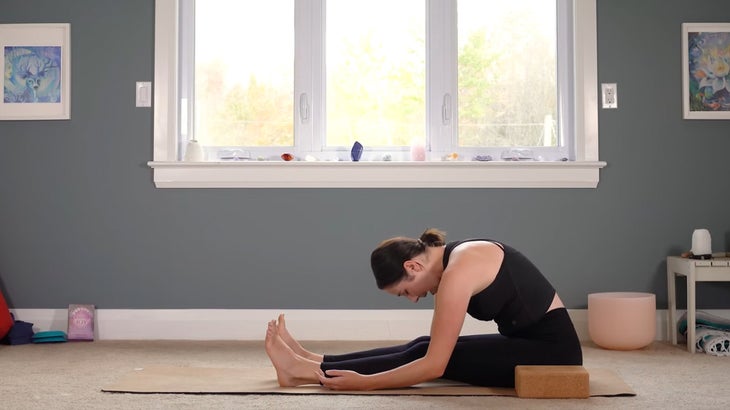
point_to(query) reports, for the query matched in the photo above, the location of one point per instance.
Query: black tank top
(519, 296)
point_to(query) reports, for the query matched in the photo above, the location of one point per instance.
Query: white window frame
(583, 172)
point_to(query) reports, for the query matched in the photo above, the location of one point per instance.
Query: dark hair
(387, 259)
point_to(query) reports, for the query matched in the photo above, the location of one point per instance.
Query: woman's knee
(418, 348)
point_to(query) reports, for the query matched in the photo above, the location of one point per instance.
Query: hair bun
(433, 237)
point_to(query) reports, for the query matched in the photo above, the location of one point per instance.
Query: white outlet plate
(144, 93)
(609, 95)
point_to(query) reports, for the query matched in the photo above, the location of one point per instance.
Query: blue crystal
(356, 151)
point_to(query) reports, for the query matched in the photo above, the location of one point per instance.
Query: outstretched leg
(378, 360)
(291, 369)
(293, 343)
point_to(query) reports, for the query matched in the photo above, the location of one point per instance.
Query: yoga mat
(205, 380)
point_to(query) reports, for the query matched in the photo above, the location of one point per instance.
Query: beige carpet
(70, 376)
(262, 380)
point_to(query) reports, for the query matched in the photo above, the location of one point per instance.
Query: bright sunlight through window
(496, 85)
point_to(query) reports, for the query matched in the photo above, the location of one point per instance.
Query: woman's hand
(343, 380)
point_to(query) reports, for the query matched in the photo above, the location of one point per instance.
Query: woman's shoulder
(472, 247)
(473, 243)
(475, 263)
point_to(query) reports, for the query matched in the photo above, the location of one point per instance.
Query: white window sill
(256, 174)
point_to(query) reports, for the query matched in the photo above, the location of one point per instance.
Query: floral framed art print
(36, 79)
(706, 70)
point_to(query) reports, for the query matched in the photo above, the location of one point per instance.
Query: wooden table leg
(672, 308)
(691, 317)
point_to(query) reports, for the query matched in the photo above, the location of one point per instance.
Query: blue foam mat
(50, 336)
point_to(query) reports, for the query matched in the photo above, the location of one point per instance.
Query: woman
(487, 279)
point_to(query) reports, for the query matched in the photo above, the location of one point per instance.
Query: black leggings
(481, 360)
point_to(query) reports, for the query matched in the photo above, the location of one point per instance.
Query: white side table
(696, 270)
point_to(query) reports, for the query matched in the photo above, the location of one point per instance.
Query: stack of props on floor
(712, 334)
(49, 336)
(20, 333)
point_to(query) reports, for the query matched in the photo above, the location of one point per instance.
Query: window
(237, 90)
(311, 77)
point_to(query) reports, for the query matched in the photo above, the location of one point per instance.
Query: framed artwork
(706, 70)
(36, 82)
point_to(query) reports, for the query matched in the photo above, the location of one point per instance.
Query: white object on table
(701, 243)
(696, 270)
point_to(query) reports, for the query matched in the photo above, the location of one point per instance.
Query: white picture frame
(706, 71)
(36, 81)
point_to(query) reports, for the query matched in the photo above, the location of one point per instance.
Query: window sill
(255, 174)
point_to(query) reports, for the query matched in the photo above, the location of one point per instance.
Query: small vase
(194, 152)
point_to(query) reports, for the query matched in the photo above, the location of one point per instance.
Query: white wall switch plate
(144, 93)
(609, 95)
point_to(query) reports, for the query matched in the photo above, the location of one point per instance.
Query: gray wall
(81, 222)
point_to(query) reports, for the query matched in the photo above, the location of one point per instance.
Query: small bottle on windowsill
(418, 150)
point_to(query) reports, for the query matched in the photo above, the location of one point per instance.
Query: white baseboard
(305, 324)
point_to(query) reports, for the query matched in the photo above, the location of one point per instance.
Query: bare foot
(293, 344)
(291, 369)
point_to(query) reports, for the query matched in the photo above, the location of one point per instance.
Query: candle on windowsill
(418, 150)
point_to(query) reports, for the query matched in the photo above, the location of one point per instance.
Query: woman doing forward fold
(487, 279)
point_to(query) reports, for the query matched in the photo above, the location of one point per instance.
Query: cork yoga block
(552, 382)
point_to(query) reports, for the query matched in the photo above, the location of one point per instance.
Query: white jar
(194, 152)
(701, 243)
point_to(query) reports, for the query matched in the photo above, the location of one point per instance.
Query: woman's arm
(470, 270)
(446, 325)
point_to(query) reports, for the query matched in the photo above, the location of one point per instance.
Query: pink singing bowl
(622, 320)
